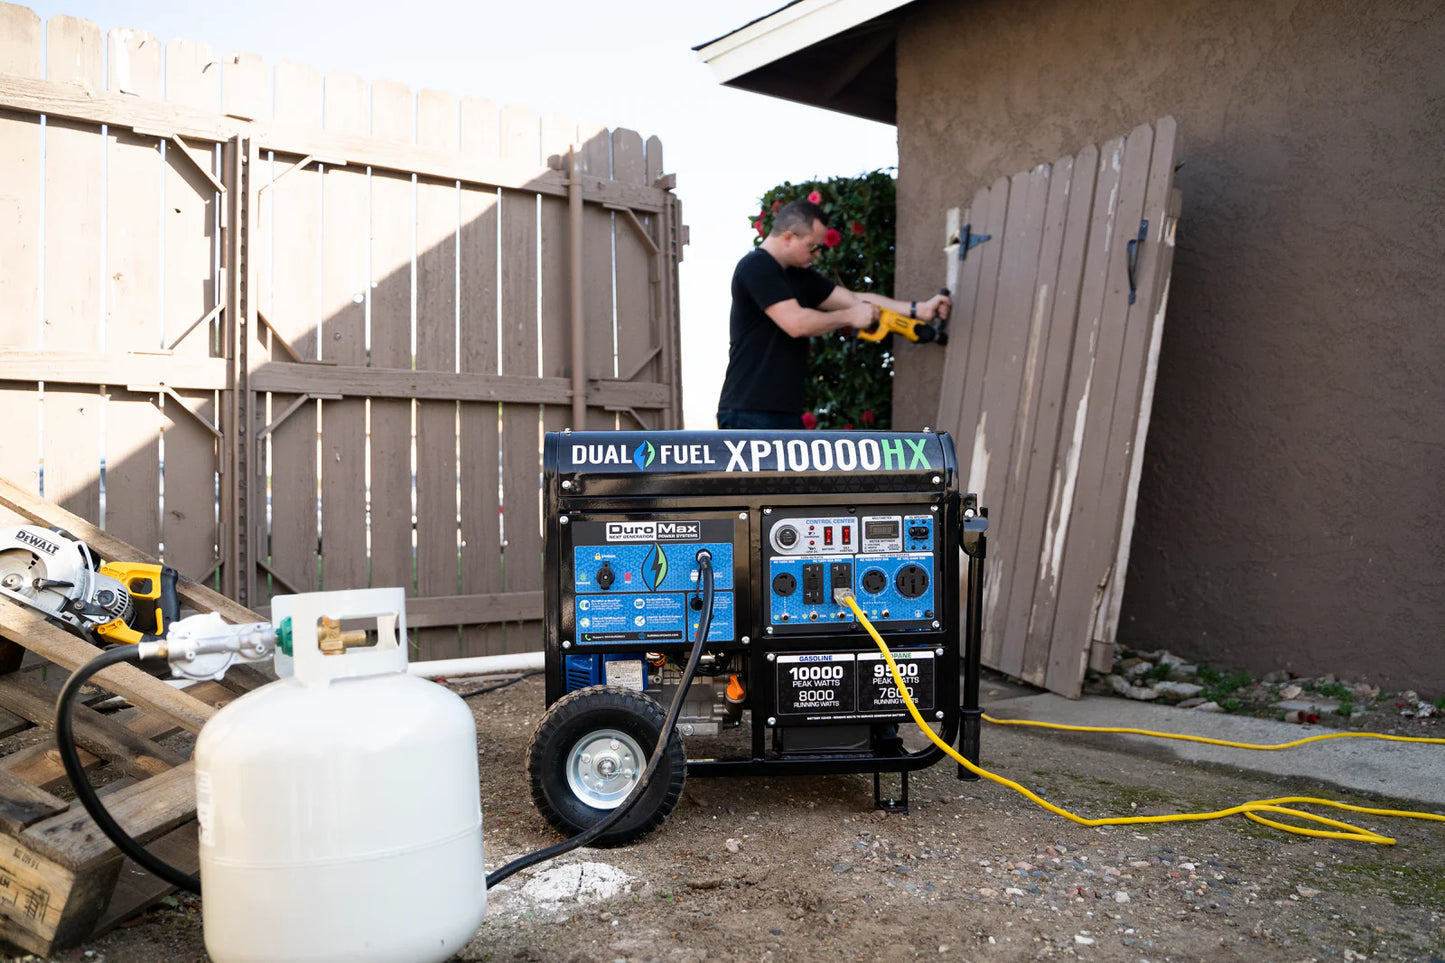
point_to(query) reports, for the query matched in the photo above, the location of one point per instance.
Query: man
(779, 302)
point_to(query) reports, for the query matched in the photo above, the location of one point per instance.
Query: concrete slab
(1407, 771)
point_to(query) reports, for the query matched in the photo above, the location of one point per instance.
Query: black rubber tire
(589, 710)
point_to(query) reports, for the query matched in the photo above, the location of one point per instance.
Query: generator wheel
(590, 750)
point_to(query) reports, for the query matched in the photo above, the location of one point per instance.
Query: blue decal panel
(638, 567)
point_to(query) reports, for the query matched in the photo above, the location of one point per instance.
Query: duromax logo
(654, 567)
(642, 455)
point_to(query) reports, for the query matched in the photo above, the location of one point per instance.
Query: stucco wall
(1290, 511)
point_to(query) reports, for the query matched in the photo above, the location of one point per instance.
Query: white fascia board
(793, 28)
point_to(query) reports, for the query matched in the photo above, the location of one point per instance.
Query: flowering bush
(850, 381)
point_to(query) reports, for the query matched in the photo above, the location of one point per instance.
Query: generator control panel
(789, 522)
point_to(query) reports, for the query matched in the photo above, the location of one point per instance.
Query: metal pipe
(478, 665)
(579, 333)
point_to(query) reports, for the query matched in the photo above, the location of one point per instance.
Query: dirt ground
(805, 869)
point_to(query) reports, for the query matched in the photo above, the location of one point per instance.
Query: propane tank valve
(205, 646)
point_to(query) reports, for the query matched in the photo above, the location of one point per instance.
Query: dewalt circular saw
(57, 574)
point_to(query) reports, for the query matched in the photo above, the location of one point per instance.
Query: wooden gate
(292, 332)
(1062, 278)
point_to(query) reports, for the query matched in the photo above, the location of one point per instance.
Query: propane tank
(339, 807)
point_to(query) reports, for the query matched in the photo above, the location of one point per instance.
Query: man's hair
(798, 217)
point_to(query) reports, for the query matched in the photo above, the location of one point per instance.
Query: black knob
(787, 536)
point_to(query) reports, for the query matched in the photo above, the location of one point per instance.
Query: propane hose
(705, 574)
(75, 772)
(1250, 810)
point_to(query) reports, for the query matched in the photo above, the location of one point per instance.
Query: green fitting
(283, 636)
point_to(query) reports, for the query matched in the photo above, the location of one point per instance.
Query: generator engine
(788, 682)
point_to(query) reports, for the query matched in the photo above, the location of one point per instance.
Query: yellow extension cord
(1250, 810)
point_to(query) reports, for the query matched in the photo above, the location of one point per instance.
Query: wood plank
(1075, 408)
(114, 368)
(1002, 380)
(22, 804)
(596, 160)
(1135, 398)
(65, 650)
(135, 173)
(1089, 553)
(479, 442)
(134, 755)
(521, 454)
(637, 333)
(144, 810)
(358, 380)
(193, 213)
(343, 339)
(971, 429)
(437, 533)
(137, 888)
(1037, 563)
(669, 364)
(74, 266)
(293, 222)
(21, 52)
(558, 133)
(245, 86)
(393, 233)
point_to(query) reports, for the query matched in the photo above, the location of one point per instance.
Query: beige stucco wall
(1292, 506)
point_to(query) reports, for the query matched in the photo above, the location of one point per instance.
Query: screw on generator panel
(788, 682)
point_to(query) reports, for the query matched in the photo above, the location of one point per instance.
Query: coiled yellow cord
(1250, 810)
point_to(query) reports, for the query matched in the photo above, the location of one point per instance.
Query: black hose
(704, 565)
(75, 772)
(500, 685)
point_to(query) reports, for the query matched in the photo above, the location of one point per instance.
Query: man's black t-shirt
(766, 367)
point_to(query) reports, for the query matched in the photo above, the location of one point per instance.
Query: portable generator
(788, 682)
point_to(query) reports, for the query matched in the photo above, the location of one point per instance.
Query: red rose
(815, 197)
(866, 417)
(832, 238)
(847, 427)
(810, 420)
(758, 225)
(776, 205)
(856, 227)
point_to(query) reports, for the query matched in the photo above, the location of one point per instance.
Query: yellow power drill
(891, 322)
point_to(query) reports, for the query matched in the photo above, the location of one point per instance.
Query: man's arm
(926, 310)
(800, 322)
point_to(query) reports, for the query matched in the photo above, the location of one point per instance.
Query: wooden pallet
(61, 879)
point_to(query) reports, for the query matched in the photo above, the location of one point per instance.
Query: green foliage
(1334, 690)
(850, 381)
(1162, 671)
(1218, 686)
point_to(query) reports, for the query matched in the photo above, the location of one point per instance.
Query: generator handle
(974, 543)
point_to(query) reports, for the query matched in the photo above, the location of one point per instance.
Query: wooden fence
(1061, 276)
(292, 332)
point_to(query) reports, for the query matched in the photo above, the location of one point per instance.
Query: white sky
(626, 64)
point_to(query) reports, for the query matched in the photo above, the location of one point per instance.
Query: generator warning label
(822, 684)
(877, 689)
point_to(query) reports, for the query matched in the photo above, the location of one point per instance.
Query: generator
(788, 682)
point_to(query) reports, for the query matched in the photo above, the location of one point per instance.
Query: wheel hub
(603, 766)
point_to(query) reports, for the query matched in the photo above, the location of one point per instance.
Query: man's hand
(935, 308)
(860, 315)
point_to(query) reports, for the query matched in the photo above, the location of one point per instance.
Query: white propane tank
(339, 807)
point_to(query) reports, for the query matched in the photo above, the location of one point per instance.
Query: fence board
(189, 523)
(558, 133)
(343, 339)
(74, 155)
(292, 225)
(436, 349)
(478, 422)
(1075, 176)
(636, 332)
(596, 160)
(393, 227)
(1004, 375)
(135, 176)
(1091, 546)
(668, 367)
(1020, 562)
(521, 463)
(1136, 390)
(20, 169)
(1075, 410)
